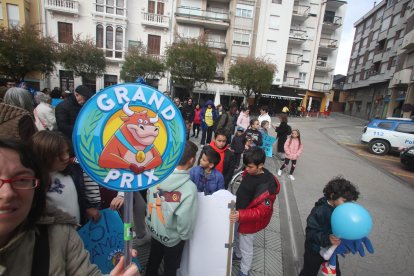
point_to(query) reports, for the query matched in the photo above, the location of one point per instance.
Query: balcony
(294, 59)
(297, 36)
(155, 20)
(401, 78)
(300, 12)
(291, 81)
(64, 6)
(218, 76)
(321, 86)
(323, 66)
(221, 46)
(335, 4)
(206, 18)
(408, 42)
(329, 44)
(331, 22)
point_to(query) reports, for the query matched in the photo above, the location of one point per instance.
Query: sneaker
(242, 274)
(279, 172)
(327, 270)
(291, 177)
(235, 257)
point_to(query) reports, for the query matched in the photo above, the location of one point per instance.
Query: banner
(205, 254)
(268, 142)
(104, 240)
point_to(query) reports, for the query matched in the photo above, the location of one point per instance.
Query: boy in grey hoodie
(172, 209)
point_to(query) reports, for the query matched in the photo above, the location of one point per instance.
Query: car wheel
(379, 147)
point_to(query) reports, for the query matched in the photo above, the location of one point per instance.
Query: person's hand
(131, 270)
(334, 240)
(93, 214)
(234, 216)
(116, 203)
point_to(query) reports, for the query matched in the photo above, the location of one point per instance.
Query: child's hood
(322, 201)
(175, 180)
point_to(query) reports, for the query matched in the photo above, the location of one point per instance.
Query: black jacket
(256, 135)
(283, 130)
(188, 112)
(66, 114)
(229, 165)
(318, 226)
(237, 144)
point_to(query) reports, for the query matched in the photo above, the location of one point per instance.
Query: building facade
(380, 74)
(22, 13)
(114, 25)
(300, 37)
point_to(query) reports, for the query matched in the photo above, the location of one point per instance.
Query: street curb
(395, 177)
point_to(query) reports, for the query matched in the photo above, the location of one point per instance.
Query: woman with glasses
(33, 240)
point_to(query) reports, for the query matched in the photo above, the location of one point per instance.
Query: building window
(154, 44)
(302, 77)
(66, 80)
(99, 36)
(242, 39)
(13, 15)
(1, 11)
(110, 6)
(385, 24)
(368, 23)
(274, 22)
(65, 34)
(390, 43)
(277, 2)
(119, 38)
(244, 11)
(371, 55)
(271, 47)
(364, 42)
(109, 41)
(404, 8)
(380, 45)
(156, 7)
(376, 67)
(110, 80)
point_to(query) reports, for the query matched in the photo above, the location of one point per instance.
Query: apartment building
(304, 51)
(114, 25)
(19, 13)
(380, 74)
(301, 37)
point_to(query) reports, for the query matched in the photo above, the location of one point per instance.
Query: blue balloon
(351, 221)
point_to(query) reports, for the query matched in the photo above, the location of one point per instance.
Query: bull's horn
(127, 110)
(154, 120)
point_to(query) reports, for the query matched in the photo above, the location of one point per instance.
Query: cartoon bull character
(132, 145)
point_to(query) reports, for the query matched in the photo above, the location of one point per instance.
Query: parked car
(407, 157)
(383, 135)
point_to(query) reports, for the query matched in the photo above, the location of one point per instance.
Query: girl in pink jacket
(293, 148)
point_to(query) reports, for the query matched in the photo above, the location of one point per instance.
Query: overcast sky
(355, 10)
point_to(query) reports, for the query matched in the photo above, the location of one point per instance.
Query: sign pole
(128, 227)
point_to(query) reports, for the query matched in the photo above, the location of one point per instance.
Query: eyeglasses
(21, 183)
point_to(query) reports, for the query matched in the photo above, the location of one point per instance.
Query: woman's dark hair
(190, 151)
(48, 145)
(283, 118)
(255, 155)
(212, 156)
(340, 187)
(252, 121)
(29, 160)
(264, 108)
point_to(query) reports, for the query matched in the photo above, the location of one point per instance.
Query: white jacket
(45, 117)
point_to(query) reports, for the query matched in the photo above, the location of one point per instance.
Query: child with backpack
(293, 149)
(254, 205)
(205, 176)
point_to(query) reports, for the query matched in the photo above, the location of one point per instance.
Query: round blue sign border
(91, 121)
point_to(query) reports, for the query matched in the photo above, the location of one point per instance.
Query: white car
(383, 135)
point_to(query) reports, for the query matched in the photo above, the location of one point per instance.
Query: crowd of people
(45, 195)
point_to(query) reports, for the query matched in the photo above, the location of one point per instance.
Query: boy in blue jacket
(205, 176)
